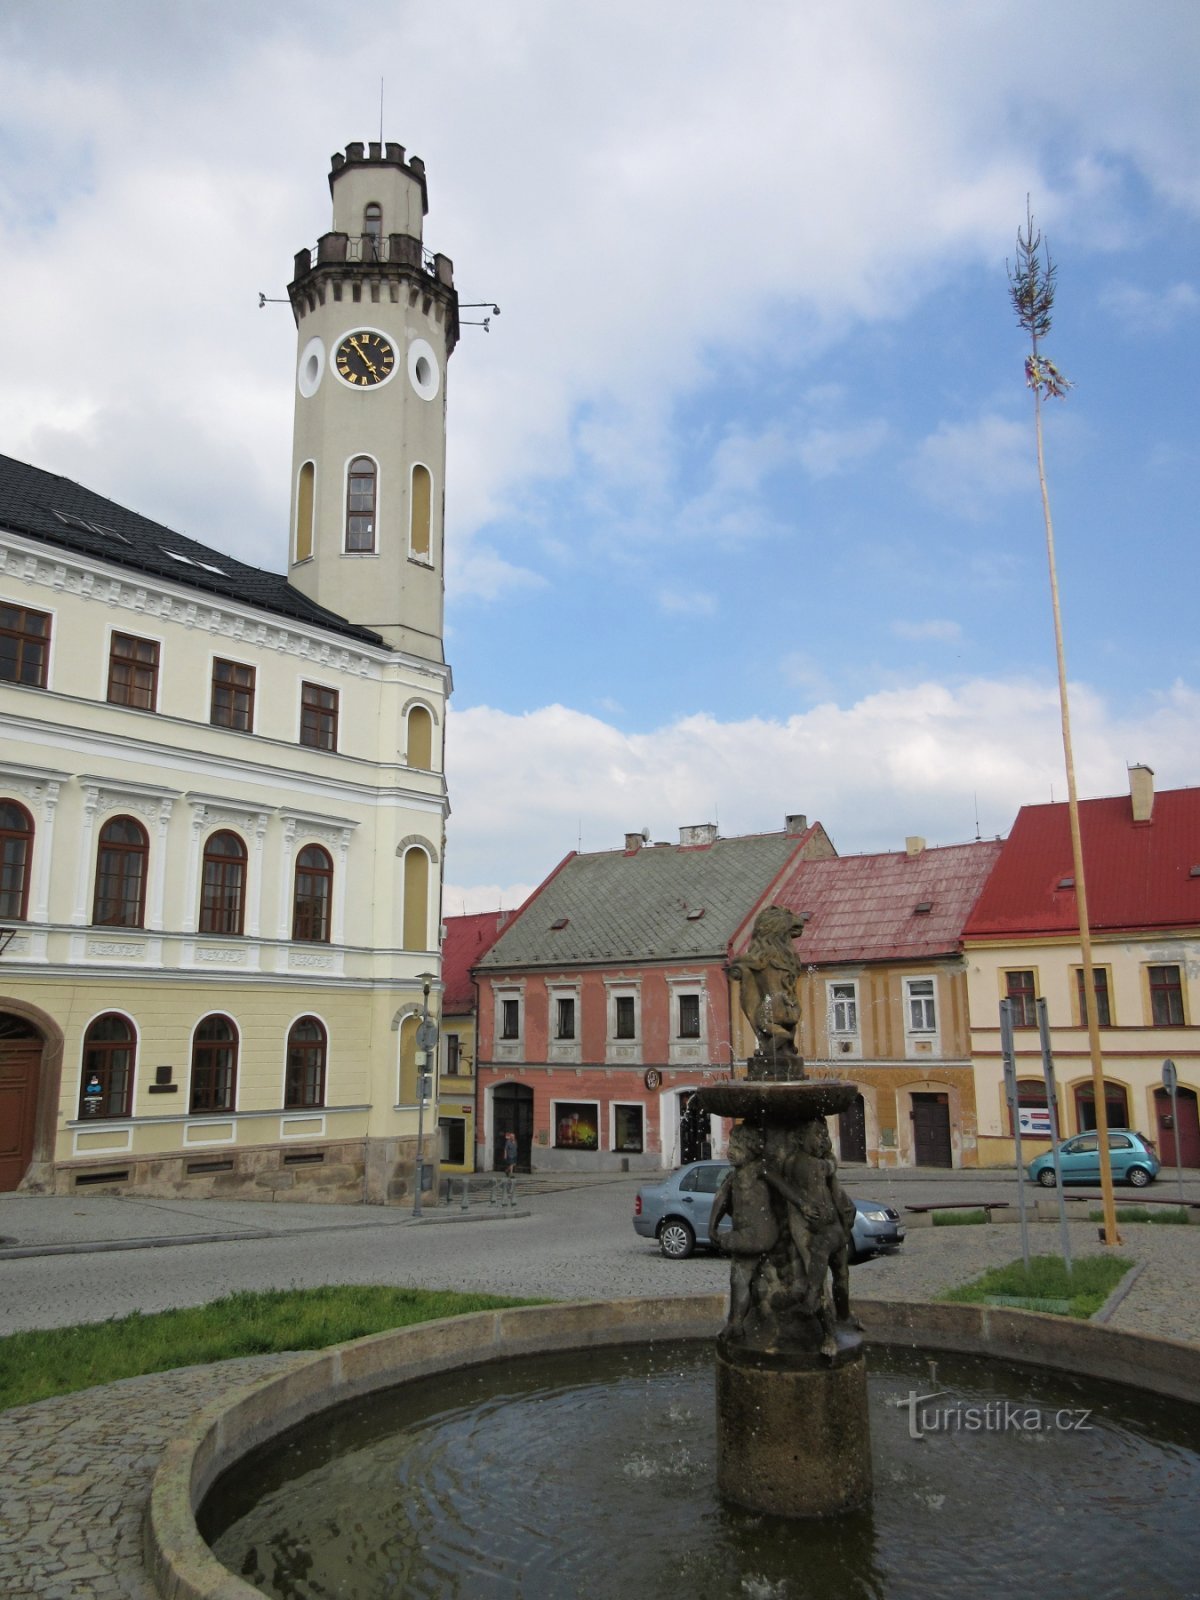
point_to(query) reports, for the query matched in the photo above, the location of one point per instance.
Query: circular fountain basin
(777, 1104)
(590, 1468)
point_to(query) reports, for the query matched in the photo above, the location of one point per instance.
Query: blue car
(1132, 1157)
(676, 1212)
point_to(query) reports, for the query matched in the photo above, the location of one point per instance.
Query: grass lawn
(45, 1362)
(1144, 1214)
(1091, 1281)
(958, 1219)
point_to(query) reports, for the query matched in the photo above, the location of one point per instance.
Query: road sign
(1170, 1076)
(427, 1035)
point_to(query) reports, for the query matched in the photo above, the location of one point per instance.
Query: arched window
(223, 891)
(314, 891)
(16, 856)
(109, 1047)
(372, 240)
(307, 1048)
(214, 1065)
(420, 738)
(422, 511)
(1116, 1104)
(360, 505)
(304, 512)
(408, 1060)
(120, 900)
(415, 934)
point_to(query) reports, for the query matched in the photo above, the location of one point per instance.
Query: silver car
(676, 1212)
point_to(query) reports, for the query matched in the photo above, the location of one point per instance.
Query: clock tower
(377, 318)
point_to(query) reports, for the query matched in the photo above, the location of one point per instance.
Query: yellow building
(1142, 861)
(221, 791)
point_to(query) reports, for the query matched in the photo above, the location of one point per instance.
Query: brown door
(20, 1065)
(852, 1131)
(1186, 1129)
(931, 1130)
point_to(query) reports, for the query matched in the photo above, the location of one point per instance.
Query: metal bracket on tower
(477, 305)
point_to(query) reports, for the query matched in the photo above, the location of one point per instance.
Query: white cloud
(967, 467)
(1140, 311)
(938, 629)
(677, 602)
(826, 451)
(904, 761)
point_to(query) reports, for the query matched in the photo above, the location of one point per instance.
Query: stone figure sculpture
(767, 975)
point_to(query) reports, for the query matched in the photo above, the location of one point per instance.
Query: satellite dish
(646, 835)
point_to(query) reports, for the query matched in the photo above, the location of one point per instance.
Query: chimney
(1141, 792)
(797, 823)
(699, 833)
(633, 841)
(914, 844)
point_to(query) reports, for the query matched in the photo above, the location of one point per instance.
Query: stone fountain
(792, 1429)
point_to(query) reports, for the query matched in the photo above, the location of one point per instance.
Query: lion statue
(767, 974)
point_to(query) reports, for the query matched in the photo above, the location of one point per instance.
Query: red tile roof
(1138, 873)
(467, 938)
(864, 908)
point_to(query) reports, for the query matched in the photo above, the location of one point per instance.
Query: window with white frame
(920, 1005)
(689, 1016)
(629, 1128)
(843, 1007)
(624, 1016)
(510, 1018)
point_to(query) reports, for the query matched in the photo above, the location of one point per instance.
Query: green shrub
(1089, 1284)
(958, 1219)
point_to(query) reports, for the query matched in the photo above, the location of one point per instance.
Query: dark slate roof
(662, 902)
(467, 938)
(1139, 874)
(58, 512)
(864, 908)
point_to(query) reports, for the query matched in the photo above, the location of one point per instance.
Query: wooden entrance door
(852, 1131)
(20, 1070)
(931, 1130)
(512, 1108)
(1187, 1129)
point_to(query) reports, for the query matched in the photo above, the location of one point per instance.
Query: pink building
(605, 1003)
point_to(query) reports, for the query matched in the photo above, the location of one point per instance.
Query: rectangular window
(565, 1018)
(843, 1008)
(453, 1055)
(689, 1016)
(1166, 997)
(232, 696)
(922, 1011)
(576, 1127)
(1103, 1014)
(510, 1019)
(626, 1017)
(1019, 987)
(24, 646)
(453, 1134)
(318, 716)
(133, 672)
(629, 1129)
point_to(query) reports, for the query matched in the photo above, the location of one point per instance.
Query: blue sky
(741, 505)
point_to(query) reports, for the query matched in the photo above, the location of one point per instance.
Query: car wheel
(676, 1239)
(1138, 1177)
(1046, 1177)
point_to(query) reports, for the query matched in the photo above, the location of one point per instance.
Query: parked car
(677, 1210)
(1132, 1156)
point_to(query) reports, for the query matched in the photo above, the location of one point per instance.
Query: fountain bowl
(777, 1104)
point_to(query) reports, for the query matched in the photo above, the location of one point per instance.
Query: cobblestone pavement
(75, 1471)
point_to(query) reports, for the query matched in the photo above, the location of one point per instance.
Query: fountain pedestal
(793, 1437)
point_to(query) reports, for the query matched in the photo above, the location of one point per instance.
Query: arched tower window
(214, 1065)
(408, 1060)
(422, 508)
(307, 1050)
(372, 239)
(16, 855)
(223, 891)
(304, 512)
(120, 899)
(109, 1047)
(420, 738)
(361, 490)
(416, 900)
(313, 893)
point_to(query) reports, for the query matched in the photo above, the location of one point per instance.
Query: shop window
(109, 1048)
(16, 857)
(120, 898)
(576, 1125)
(307, 1047)
(1020, 988)
(214, 1065)
(1116, 1105)
(133, 672)
(629, 1129)
(223, 887)
(1032, 1108)
(689, 1016)
(24, 646)
(232, 696)
(312, 896)
(1166, 997)
(318, 716)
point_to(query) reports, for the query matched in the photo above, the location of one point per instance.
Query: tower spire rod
(381, 110)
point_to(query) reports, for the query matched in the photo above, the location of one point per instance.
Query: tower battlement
(378, 154)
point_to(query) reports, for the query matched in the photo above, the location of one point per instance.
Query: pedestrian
(510, 1152)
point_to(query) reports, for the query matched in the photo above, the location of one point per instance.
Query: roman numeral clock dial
(364, 359)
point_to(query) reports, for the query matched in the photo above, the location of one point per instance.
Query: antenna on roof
(978, 835)
(381, 110)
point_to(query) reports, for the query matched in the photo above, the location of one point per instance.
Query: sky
(743, 516)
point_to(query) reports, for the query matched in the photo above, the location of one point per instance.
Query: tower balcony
(374, 249)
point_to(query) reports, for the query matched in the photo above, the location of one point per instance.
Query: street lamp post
(427, 1037)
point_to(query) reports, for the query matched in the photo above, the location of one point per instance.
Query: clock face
(364, 359)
